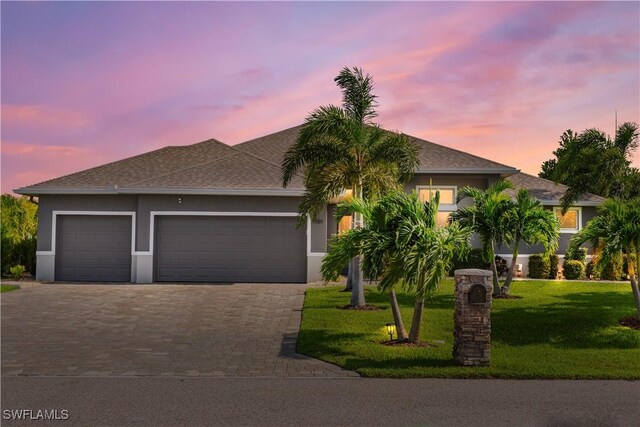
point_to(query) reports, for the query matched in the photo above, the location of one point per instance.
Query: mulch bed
(361, 308)
(631, 322)
(395, 343)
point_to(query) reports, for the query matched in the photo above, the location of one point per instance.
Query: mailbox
(477, 294)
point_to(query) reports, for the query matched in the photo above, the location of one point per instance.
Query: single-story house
(210, 212)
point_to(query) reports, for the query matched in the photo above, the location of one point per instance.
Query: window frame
(578, 211)
(443, 207)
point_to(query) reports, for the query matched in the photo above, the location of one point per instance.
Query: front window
(570, 221)
(447, 201)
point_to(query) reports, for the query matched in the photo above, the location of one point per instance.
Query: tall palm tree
(615, 230)
(487, 217)
(341, 148)
(528, 222)
(401, 246)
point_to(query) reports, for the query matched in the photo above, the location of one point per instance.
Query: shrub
(16, 271)
(502, 266)
(573, 269)
(553, 266)
(538, 266)
(580, 254)
(474, 259)
(612, 270)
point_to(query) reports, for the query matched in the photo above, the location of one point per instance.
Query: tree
(487, 217)
(18, 231)
(614, 231)
(528, 222)
(401, 245)
(591, 162)
(341, 148)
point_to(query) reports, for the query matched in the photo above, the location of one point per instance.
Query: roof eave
(503, 172)
(576, 203)
(193, 191)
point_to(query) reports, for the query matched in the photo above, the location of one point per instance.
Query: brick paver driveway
(163, 330)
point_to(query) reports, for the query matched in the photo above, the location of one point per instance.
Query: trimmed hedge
(573, 269)
(613, 270)
(554, 261)
(579, 254)
(538, 266)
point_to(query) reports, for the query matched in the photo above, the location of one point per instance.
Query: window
(447, 201)
(570, 221)
(344, 224)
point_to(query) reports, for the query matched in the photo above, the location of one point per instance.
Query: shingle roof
(433, 157)
(547, 191)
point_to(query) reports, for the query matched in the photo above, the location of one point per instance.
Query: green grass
(7, 288)
(557, 330)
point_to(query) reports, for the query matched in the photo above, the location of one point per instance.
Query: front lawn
(557, 330)
(7, 288)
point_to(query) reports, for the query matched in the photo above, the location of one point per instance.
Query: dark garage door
(229, 249)
(93, 248)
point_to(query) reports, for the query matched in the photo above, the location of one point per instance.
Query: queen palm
(341, 148)
(528, 222)
(487, 217)
(401, 245)
(615, 230)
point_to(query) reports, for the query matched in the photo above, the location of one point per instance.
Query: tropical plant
(528, 222)
(340, 148)
(18, 231)
(488, 218)
(615, 230)
(401, 246)
(592, 162)
(16, 271)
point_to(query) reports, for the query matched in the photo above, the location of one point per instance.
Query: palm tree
(591, 162)
(341, 148)
(487, 217)
(528, 222)
(401, 246)
(615, 230)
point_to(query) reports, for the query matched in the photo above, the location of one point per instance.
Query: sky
(86, 83)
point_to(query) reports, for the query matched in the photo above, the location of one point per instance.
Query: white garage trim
(54, 218)
(153, 214)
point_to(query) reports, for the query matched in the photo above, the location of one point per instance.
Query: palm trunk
(397, 317)
(497, 292)
(357, 292)
(512, 268)
(349, 286)
(416, 322)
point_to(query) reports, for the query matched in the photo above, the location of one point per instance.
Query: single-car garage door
(229, 249)
(92, 248)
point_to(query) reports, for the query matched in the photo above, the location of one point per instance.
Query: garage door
(229, 249)
(93, 248)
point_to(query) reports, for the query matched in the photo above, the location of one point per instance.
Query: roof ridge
(265, 135)
(183, 169)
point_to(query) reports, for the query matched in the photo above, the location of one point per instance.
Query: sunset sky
(87, 83)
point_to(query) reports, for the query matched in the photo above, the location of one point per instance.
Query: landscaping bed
(556, 330)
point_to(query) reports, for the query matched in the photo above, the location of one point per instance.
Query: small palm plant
(401, 246)
(615, 230)
(488, 218)
(340, 148)
(528, 222)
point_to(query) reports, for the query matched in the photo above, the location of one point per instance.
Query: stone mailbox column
(472, 317)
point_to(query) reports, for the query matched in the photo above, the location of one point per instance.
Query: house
(210, 212)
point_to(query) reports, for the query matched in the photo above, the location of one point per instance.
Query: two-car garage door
(186, 249)
(229, 249)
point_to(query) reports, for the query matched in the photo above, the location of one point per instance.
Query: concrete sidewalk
(323, 401)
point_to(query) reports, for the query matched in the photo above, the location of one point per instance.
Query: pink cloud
(44, 116)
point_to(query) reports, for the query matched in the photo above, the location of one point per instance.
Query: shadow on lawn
(317, 342)
(381, 299)
(576, 320)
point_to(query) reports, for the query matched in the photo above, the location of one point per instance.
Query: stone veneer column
(472, 317)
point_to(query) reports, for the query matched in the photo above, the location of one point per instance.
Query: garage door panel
(229, 249)
(93, 248)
